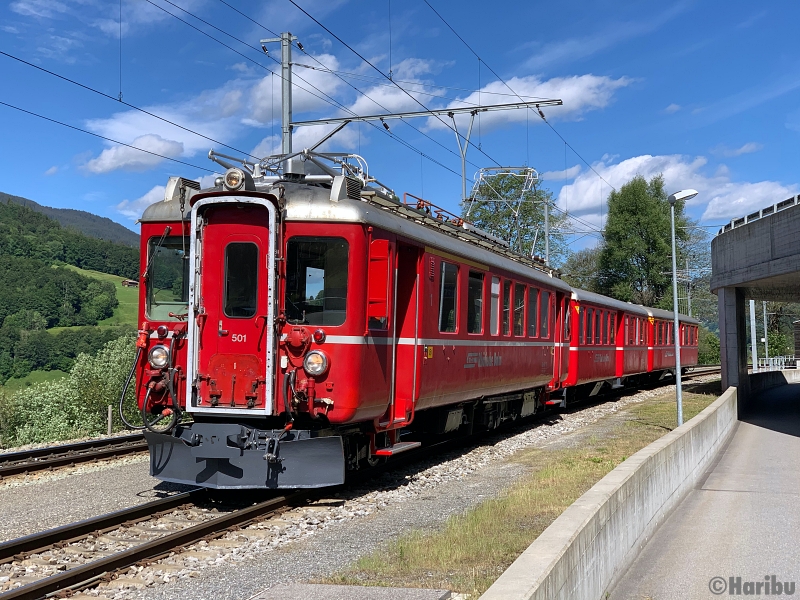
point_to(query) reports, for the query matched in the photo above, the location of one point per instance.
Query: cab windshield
(316, 280)
(168, 278)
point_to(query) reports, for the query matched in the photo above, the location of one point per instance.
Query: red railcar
(306, 321)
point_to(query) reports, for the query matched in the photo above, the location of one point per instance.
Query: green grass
(474, 548)
(13, 385)
(127, 311)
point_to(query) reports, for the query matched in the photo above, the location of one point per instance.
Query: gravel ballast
(306, 543)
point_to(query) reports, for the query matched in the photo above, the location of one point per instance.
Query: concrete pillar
(733, 342)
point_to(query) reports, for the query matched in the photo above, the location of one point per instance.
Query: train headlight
(158, 357)
(234, 179)
(315, 363)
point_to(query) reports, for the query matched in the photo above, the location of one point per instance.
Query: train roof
(659, 313)
(306, 202)
(585, 296)
(637, 309)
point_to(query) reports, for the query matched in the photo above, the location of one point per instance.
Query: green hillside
(61, 295)
(126, 312)
(81, 221)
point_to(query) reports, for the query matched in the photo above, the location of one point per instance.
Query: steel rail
(36, 542)
(39, 459)
(148, 550)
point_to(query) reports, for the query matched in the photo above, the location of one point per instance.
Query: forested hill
(25, 233)
(80, 220)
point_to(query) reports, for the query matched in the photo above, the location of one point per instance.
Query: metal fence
(777, 363)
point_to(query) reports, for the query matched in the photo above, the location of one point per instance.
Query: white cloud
(123, 157)
(51, 171)
(570, 173)
(672, 108)
(748, 148)
(9, 29)
(571, 49)
(43, 9)
(580, 93)
(133, 209)
(723, 198)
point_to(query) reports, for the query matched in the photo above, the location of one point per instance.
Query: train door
(405, 333)
(562, 328)
(231, 292)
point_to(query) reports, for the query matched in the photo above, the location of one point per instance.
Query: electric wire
(345, 108)
(128, 104)
(329, 100)
(509, 87)
(399, 87)
(175, 160)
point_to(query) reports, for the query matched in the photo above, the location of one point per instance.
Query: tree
(635, 260)
(580, 270)
(504, 209)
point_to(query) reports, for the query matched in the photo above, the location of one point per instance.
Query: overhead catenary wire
(329, 100)
(501, 80)
(128, 104)
(102, 137)
(357, 90)
(359, 55)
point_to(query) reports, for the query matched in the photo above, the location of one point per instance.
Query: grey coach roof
(645, 311)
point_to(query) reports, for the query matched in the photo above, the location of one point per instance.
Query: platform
(742, 520)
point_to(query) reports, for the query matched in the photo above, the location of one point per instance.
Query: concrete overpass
(753, 257)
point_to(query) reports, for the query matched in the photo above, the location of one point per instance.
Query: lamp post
(677, 196)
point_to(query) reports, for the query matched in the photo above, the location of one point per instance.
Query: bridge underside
(758, 260)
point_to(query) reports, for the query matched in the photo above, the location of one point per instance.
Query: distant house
(130, 283)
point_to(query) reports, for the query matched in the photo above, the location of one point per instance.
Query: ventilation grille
(354, 187)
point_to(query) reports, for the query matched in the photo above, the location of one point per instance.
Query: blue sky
(707, 93)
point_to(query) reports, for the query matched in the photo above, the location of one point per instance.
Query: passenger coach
(307, 321)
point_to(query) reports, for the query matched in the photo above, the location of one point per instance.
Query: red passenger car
(306, 319)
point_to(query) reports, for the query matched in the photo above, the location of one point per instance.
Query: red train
(310, 323)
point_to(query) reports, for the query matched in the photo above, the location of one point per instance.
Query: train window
(638, 325)
(494, 307)
(642, 332)
(167, 278)
(581, 324)
(589, 326)
(519, 309)
(598, 326)
(241, 280)
(567, 321)
(627, 339)
(605, 327)
(612, 332)
(533, 305)
(448, 298)
(316, 280)
(506, 307)
(544, 315)
(475, 303)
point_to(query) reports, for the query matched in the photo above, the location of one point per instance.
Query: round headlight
(234, 179)
(315, 363)
(158, 357)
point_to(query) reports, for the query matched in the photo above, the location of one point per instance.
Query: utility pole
(286, 40)
(547, 232)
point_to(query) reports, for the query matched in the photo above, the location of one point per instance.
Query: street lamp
(677, 196)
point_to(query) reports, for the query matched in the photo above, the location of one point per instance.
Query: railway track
(86, 552)
(62, 455)
(51, 457)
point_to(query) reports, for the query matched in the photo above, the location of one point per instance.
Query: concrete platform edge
(580, 555)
